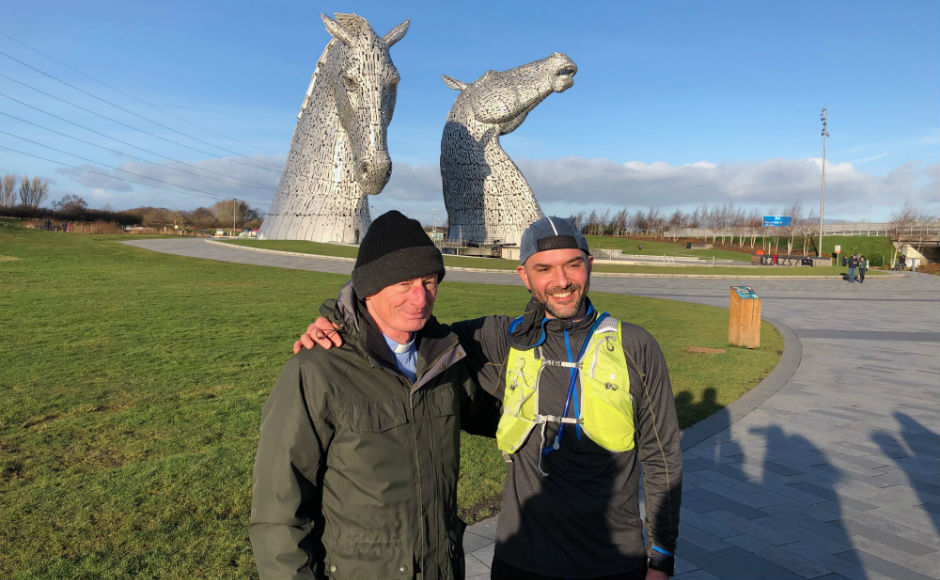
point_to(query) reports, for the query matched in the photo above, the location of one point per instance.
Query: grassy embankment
(874, 247)
(131, 385)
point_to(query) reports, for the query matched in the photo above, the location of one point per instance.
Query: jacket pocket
(362, 560)
(377, 416)
(445, 401)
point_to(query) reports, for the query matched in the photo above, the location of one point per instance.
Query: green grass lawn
(649, 248)
(131, 386)
(663, 247)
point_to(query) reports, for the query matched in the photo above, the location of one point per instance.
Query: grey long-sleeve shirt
(583, 518)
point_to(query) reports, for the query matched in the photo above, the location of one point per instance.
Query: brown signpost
(744, 317)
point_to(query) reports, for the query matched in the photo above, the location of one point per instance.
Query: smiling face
(403, 308)
(558, 279)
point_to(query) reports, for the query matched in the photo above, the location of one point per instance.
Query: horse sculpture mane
(486, 196)
(339, 152)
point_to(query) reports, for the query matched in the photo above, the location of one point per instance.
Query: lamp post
(234, 210)
(823, 116)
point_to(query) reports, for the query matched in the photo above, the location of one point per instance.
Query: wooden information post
(744, 317)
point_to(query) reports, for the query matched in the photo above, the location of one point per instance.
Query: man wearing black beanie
(356, 470)
(395, 248)
(574, 431)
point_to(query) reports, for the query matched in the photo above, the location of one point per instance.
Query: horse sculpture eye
(351, 84)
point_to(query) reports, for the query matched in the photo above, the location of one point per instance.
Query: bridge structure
(915, 233)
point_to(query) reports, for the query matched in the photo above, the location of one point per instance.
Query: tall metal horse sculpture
(485, 194)
(339, 154)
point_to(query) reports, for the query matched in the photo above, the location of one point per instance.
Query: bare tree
(201, 217)
(70, 203)
(638, 222)
(697, 220)
(909, 215)
(676, 221)
(33, 191)
(604, 222)
(809, 225)
(618, 223)
(903, 221)
(8, 190)
(577, 219)
(654, 220)
(754, 222)
(796, 216)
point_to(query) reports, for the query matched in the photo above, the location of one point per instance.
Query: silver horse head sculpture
(339, 151)
(486, 196)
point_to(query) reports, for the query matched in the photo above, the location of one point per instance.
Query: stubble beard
(544, 300)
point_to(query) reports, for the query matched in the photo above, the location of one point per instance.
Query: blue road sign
(776, 221)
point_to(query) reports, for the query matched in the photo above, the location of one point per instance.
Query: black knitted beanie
(395, 248)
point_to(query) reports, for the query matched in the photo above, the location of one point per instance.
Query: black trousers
(504, 571)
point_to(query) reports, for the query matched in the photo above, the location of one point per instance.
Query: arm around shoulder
(486, 341)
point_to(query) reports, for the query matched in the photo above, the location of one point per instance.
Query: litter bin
(744, 317)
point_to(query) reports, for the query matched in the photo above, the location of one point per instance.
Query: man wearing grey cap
(356, 470)
(586, 400)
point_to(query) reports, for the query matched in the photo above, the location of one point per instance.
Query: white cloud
(571, 184)
(183, 186)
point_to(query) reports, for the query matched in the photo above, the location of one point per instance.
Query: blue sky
(675, 104)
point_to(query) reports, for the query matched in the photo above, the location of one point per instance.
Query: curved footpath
(830, 468)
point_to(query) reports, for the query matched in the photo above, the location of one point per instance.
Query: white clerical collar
(399, 348)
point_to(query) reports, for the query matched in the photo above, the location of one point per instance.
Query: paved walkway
(829, 469)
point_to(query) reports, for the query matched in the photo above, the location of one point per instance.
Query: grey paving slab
(757, 528)
(709, 524)
(906, 545)
(842, 439)
(814, 552)
(780, 556)
(875, 564)
(473, 541)
(734, 563)
(825, 536)
(702, 538)
(475, 568)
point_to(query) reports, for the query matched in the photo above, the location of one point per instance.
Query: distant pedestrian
(862, 268)
(853, 266)
(776, 259)
(640, 246)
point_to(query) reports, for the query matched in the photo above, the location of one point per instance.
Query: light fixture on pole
(823, 116)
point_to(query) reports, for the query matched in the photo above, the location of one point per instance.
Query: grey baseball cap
(551, 233)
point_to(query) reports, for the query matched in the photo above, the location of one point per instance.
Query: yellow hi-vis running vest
(606, 406)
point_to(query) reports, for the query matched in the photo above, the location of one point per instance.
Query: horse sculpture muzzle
(565, 69)
(374, 172)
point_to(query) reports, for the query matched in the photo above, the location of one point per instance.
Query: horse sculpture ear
(397, 33)
(336, 30)
(453, 83)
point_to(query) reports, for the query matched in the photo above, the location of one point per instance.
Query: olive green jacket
(356, 470)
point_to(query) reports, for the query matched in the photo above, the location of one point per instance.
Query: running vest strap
(604, 391)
